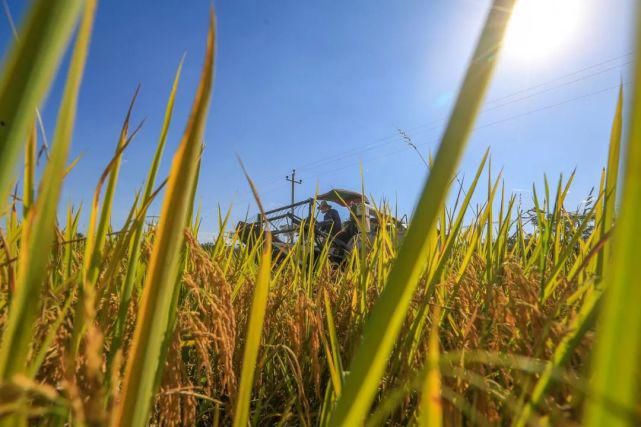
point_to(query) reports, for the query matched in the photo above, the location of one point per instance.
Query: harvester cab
(290, 223)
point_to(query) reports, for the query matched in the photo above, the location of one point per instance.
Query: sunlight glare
(541, 28)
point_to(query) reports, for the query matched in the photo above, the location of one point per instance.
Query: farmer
(331, 223)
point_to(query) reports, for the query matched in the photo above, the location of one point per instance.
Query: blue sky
(323, 87)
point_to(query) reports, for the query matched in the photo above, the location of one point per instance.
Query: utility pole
(292, 179)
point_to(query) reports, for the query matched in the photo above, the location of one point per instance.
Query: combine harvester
(361, 221)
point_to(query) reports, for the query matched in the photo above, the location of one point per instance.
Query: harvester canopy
(343, 197)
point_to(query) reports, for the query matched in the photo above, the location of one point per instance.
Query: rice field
(481, 314)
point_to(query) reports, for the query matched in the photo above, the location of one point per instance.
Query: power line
(573, 73)
(521, 91)
(320, 164)
(483, 126)
(381, 142)
(496, 122)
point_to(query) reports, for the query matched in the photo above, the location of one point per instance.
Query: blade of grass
(38, 230)
(431, 411)
(335, 349)
(388, 313)
(416, 330)
(39, 357)
(175, 298)
(577, 328)
(40, 124)
(255, 324)
(134, 253)
(27, 74)
(612, 173)
(29, 175)
(94, 245)
(70, 232)
(97, 235)
(153, 314)
(551, 281)
(618, 345)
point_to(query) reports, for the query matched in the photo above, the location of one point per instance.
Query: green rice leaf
(134, 252)
(253, 336)
(159, 288)
(28, 71)
(39, 227)
(611, 180)
(385, 320)
(615, 366)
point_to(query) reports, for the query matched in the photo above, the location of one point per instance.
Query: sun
(539, 29)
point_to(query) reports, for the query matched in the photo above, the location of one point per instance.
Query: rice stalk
(28, 71)
(386, 317)
(615, 365)
(38, 229)
(153, 314)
